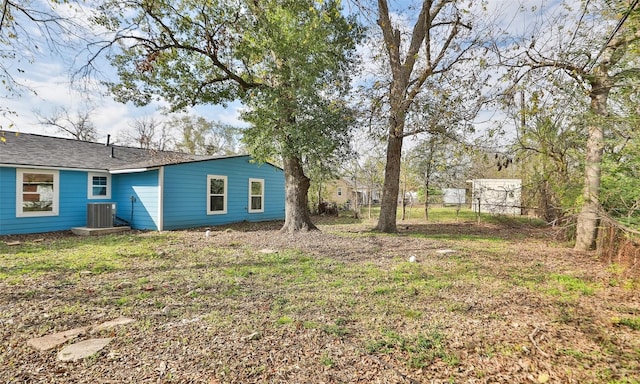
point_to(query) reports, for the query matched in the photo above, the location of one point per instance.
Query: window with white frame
(216, 195)
(37, 192)
(256, 195)
(99, 186)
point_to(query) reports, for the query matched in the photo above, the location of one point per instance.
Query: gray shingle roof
(26, 149)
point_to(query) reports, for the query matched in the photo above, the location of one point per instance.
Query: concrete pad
(47, 342)
(112, 323)
(83, 349)
(84, 231)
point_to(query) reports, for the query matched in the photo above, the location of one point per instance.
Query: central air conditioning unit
(100, 215)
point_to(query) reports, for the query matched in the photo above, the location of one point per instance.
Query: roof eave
(59, 168)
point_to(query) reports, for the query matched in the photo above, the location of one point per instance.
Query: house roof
(26, 149)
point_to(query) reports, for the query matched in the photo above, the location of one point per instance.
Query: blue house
(52, 184)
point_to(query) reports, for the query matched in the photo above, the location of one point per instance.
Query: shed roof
(27, 149)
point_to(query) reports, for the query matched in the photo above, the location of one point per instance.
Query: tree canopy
(441, 41)
(287, 61)
(592, 62)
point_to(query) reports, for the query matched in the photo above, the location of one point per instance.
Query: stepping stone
(112, 323)
(53, 340)
(83, 349)
(47, 342)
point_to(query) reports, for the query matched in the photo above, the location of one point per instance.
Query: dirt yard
(482, 303)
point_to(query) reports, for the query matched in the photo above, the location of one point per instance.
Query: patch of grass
(122, 301)
(457, 306)
(579, 355)
(631, 322)
(383, 290)
(567, 314)
(218, 319)
(71, 309)
(338, 328)
(311, 325)
(410, 272)
(511, 221)
(326, 360)
(284, 320)
(529, 277)
(239, 271)
(412, 314)
(567, 287)
(75, 254)
(418, 350)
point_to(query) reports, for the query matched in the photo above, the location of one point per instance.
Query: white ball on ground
(412, 259)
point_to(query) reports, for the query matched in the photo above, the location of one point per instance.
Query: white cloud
(51, 90)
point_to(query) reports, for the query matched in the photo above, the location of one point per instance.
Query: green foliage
(620, 194)
(300, 113)
(550, 151)
(286, 61)
(438, 162)
(203, 137)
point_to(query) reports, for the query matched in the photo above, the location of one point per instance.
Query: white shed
(500, 196)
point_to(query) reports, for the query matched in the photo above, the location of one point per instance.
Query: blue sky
(48, 77)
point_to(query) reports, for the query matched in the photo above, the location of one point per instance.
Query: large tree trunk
(391, 187)
(296, 186)
(403, 91)
(588, 219)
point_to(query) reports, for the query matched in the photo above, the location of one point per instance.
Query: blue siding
(184, 200)
(185, 192)
(72, 210)
(143, 188)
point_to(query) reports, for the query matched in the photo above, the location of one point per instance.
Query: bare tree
(439, 41)
(147, 133)
(19, 45)
(372, 177)
(77, 126)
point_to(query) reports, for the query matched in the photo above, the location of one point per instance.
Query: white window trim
(226, 196)
(261, 181)
(56, 193)
(90, 194)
